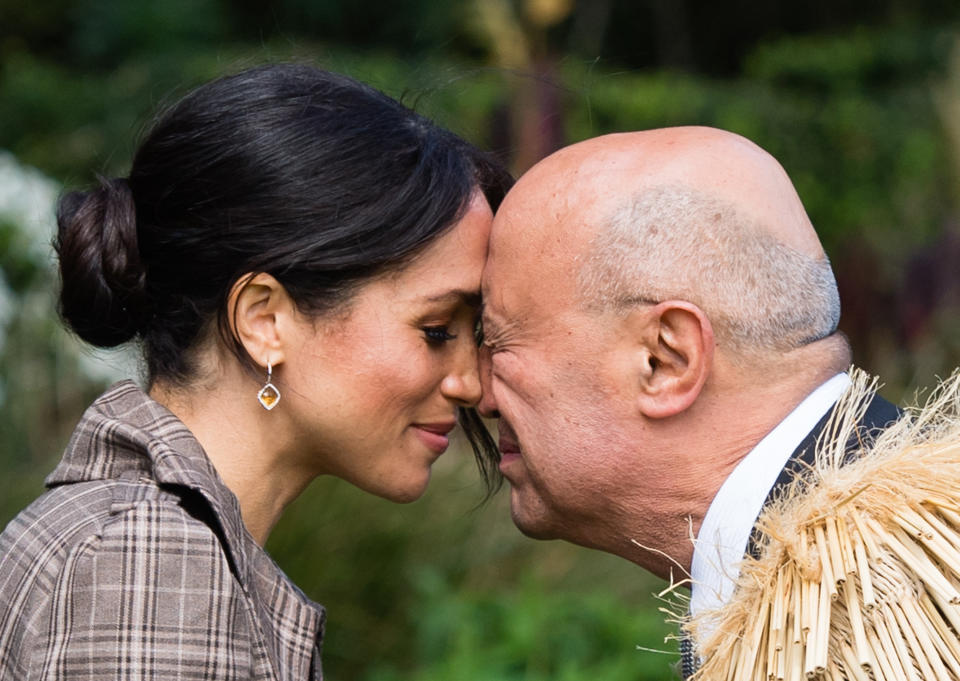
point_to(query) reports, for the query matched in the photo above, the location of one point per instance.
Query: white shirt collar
(722, 539)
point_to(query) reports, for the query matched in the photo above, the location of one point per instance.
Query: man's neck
(657, 526)
(725, 532)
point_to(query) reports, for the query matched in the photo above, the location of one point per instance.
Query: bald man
(660, 334)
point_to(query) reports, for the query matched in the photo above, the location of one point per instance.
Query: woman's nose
(462, 383)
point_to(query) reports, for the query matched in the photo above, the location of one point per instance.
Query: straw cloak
(857, 572)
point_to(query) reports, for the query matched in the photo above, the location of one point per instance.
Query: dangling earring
(268, 395)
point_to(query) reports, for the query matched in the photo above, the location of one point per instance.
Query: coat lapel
(879, 414)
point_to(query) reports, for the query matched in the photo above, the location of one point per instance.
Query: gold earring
(268, 395)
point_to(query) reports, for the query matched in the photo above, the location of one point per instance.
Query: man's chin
(533, 524)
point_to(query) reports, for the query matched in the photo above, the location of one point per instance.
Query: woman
(299, 258)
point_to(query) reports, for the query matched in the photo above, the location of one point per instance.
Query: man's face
(549, 370)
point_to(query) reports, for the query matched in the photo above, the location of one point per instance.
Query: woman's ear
(256, 304)
(675, 359)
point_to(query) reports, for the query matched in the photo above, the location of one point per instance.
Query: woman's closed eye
(438, 335)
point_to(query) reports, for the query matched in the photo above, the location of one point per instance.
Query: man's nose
(487, 405)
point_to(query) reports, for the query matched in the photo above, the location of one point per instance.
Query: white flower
(28, 201)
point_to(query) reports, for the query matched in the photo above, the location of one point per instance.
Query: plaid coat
(135, 564)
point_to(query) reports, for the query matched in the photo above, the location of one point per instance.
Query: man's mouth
(509, 447)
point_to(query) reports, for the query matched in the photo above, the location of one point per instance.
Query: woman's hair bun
(101, 275)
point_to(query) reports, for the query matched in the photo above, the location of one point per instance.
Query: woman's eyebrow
(468, 298)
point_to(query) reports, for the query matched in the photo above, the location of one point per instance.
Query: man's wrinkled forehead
(548, 219)
(548, 215)
(539, 235)
(534, 244)
(563, 191)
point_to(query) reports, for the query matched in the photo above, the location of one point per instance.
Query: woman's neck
(247, 446)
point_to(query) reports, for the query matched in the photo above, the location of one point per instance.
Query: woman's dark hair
(310, 176)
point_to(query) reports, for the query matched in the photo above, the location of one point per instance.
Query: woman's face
(373, 393)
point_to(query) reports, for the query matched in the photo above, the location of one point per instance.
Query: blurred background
(859, 99)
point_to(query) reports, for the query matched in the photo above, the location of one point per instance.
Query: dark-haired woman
(299, 258)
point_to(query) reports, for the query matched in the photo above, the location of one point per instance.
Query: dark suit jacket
(878, 415)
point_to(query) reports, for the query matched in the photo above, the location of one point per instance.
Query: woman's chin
(406, 492)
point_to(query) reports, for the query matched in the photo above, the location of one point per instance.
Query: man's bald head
(599, 173)
(687, 213)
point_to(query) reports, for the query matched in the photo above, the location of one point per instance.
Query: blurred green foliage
(866, 163)
(851, 103)
(462, 590)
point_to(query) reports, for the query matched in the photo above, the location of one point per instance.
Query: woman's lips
(435, 435)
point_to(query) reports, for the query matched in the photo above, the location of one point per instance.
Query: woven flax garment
(856, 574)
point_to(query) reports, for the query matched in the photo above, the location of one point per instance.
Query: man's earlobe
(679, 346)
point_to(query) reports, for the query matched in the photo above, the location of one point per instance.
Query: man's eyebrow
(457, 295)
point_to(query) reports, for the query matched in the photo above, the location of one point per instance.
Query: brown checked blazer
(135, 564)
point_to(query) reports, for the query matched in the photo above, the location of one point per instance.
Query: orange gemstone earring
(269, 395)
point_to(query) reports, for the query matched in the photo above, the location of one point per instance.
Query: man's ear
(255, 305)
(676, 357)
